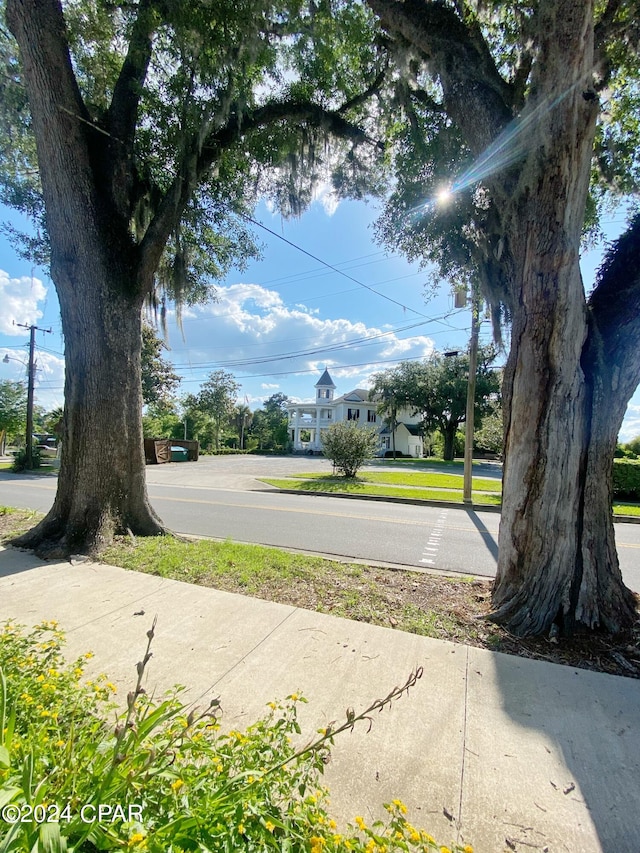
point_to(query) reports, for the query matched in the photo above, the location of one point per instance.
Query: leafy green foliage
(159, 379)
(437, 389)
(209, 70)
(269, 425)
(462, 235)
(216, 399)
(178, 780)
(20, 461)
(13, 407)
(626, 479)
(348, 445)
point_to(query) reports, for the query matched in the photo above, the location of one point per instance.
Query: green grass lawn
(333, 485)
(620, 508)
(431, 480)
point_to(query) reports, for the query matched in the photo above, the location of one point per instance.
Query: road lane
(422, 537)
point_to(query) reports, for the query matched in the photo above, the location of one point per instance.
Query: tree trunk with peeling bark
(563, 395)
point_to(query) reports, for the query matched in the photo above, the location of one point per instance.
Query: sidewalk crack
(464, 743)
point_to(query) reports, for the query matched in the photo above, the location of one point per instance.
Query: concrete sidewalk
(522, 755)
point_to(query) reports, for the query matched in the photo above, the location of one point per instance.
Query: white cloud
(325, 195)
(631, 423)
(250, 330)
(269, 386)
(19, 298)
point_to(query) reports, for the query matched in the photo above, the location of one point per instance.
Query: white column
(296, 439)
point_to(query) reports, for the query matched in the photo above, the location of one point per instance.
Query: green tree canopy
(13, 410)
(138, 135)
(437, 390)
(217, 399)
(159, 380)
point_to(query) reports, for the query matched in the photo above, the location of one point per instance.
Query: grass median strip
(620, 508)
(413, 479)
(337, 485)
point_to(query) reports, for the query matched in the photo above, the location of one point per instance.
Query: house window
(329, 414)
(353, 414)
(371, 417)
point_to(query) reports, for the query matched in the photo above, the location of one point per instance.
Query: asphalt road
(238, 507)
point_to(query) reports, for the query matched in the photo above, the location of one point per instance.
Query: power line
(328, 265)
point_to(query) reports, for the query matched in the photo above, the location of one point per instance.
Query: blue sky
(278, 324)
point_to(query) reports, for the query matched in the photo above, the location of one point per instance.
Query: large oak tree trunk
(557, 561)
(94, 265)
(101, 485)
(449, 437)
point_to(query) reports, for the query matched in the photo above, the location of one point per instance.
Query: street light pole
(471, 399)
(30, 388)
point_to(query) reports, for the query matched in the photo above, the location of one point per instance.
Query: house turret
(325, 386)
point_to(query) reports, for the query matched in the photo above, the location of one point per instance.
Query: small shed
(158, 450)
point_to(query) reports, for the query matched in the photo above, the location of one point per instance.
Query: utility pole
(471, 400)
(30, 387)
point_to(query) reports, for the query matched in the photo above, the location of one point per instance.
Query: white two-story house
(307, 421)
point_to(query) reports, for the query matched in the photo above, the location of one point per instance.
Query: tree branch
(363, 97)
(475, 94)
(198, 160)
(123, 110)
(611, 27)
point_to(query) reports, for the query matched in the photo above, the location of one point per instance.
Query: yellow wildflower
(400, 806)
(136, 838)
(467, 849)
(360, 823)
(241, 828)
(269, 826)
(175, 786)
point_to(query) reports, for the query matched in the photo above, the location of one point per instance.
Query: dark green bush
(626, 479)
(20, 460)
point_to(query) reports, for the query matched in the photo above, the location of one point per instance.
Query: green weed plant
(167, 778)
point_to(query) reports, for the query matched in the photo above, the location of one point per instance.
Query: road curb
(618, 519)
(387, 499)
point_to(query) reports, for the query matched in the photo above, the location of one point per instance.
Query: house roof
(413, 429)
(358, 395)
(325, 381)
